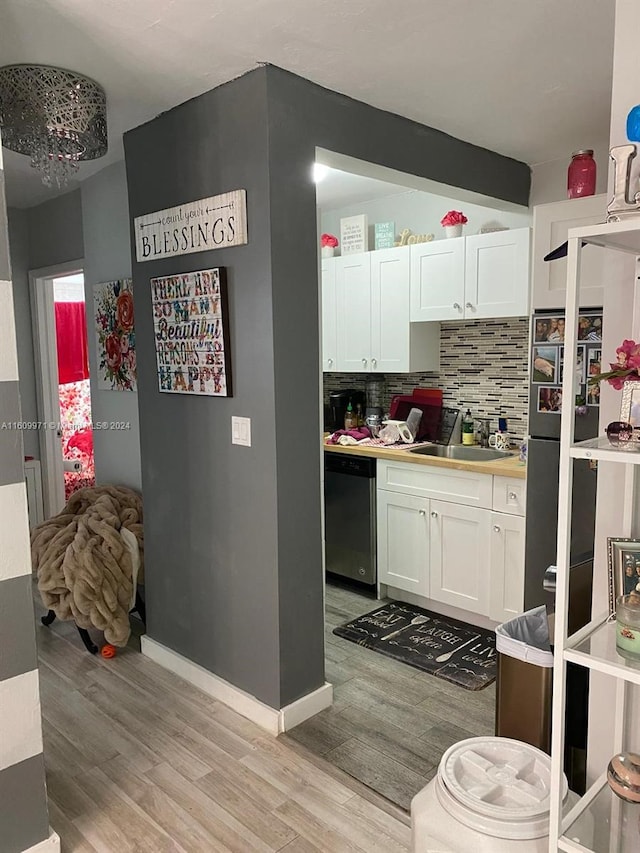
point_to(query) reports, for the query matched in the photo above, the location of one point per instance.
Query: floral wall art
(115, 335)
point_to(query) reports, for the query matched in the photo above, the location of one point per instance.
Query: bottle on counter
(350, 418)
(359, 415)
(468, 428)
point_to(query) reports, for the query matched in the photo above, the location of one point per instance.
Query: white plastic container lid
(497, 786)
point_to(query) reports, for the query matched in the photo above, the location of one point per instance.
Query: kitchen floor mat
(456, 651)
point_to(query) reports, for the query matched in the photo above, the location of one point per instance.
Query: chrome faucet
(484, 431)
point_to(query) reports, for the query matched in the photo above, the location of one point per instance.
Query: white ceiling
(527, 78)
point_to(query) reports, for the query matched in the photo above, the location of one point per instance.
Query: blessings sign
(199, 226)
(190, 321)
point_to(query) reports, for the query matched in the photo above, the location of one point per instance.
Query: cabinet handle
(512, 496)
(496, 527)
(457, 306)
(330, 362)
(422, 512)
(364, 362)
(374, 361)
(434, 514)
(468, 305)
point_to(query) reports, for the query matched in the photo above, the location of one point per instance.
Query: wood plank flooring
(139, 761)
(390, 723)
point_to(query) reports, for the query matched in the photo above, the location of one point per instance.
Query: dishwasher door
(350, 516)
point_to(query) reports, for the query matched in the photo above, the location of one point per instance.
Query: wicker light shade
(56, 117)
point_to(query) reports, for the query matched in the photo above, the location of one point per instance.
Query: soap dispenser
(468, 436)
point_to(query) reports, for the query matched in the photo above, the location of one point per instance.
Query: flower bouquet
(625, 368)
(452, 223)
(328, 243)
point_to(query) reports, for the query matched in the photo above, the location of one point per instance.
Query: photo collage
(547, 367)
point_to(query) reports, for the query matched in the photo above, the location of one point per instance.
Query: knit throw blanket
(88, 559)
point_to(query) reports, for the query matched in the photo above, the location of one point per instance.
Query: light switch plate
(241, 431)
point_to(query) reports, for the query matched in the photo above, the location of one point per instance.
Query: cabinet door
(437, 280)
(459, 556)
(329, 316)
(497, 274)
(353, 297)
(390, 310)
(403, 542)
(506, 583)
(551, 223)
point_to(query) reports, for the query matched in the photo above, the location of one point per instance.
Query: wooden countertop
(511, 467)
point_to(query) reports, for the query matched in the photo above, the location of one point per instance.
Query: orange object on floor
(108, 651)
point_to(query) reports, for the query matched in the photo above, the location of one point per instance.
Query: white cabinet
(373, 330)
(353, 299)
(468, 278)
(506, 566)
(329, 317)
(437, 280)
(551, 223)
(403, 542)
(496, 276)
(442, 535)
(459, 556)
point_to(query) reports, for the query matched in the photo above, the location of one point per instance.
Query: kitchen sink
(457, 451)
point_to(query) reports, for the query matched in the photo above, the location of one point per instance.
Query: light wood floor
(138, 761)
(390, 723)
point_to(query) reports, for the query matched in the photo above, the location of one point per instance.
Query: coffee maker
(338, 402)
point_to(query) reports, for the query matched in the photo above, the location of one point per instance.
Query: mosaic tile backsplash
(483, 367)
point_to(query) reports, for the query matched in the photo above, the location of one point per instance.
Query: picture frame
(544, 364)
(630, 404)
(549, 399)
(624, 568)
(191, 330)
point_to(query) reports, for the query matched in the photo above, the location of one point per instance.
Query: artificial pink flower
(454, 217)
(626, 367)
(328, 240)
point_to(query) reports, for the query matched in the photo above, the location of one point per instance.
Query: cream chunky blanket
(88, 559)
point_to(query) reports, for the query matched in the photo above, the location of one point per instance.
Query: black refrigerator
(543, 451)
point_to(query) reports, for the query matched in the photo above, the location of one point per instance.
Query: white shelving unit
(593, 646)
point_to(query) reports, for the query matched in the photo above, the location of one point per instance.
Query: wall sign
(354, 235)
(115, 335)
(385, 235)
(190, 322)
(199, 226)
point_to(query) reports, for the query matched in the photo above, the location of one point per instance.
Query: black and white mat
(456, 651)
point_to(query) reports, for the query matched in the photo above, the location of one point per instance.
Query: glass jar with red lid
(581, 177)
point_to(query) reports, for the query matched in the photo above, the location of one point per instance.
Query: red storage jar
(581, 177)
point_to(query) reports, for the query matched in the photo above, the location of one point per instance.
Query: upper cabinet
(368, 296)
(468, 278)
(551, 222)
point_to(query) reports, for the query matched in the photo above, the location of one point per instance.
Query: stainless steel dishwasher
(350, 516)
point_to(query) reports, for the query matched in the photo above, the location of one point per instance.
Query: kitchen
(467, 517)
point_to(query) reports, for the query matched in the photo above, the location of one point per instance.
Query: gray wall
(233, 535)
(19, 242)
(107, 253)
(55, 231)
(23, 798)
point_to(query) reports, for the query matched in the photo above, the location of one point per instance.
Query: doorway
(62, 383)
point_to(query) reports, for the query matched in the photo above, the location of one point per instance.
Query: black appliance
(338, 402)
(543, 450)
(350, 516)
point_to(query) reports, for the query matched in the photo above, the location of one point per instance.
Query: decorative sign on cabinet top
(354, 235)
(199, 226)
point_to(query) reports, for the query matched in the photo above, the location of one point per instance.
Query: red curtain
(71, 337)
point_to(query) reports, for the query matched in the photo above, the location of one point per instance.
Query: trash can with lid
(490, 795)
(524, 680)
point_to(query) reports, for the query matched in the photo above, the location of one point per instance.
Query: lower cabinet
(459, 556)
(403, 542)
(506, 586)
(469, 557)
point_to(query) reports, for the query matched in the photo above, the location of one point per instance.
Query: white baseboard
(273, 720)
(49, 845)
